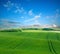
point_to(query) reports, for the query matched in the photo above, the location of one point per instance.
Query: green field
(29, 42)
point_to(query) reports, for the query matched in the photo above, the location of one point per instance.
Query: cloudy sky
(14, 13)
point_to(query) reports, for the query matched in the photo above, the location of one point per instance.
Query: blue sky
(29, 12)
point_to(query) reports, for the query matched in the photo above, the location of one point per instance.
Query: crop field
(29, 42)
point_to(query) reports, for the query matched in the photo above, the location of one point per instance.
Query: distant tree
(47, 29)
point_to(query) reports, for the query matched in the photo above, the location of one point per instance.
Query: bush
(11, 30)
(47, 29)
(30, 28)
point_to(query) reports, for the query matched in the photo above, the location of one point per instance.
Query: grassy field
(29, 42)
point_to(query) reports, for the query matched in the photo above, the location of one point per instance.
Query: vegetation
(11, 30)
(47, 29)
(29, 43)
(31, 28)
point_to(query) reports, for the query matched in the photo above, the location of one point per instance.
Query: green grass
(29, 43)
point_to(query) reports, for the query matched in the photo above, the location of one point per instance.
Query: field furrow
(51, 48)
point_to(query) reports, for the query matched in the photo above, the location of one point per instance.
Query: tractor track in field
(51, 48)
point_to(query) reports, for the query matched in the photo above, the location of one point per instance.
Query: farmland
(30, 42)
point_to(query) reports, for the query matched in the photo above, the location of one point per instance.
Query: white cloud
(8, 5)
(46, 26)
(29, 20)
(49, 26)
(22, 17)
(36, 17)
(54, 25)
(30, 12)
(8, 22)
(20, 10)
